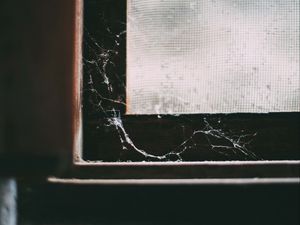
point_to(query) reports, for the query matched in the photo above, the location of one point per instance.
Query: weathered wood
(188, 170)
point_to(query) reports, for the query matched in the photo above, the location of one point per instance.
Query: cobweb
(104, 93)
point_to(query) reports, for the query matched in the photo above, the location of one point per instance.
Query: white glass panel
(212, 56)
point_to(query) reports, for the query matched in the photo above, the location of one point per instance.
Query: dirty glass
(167, 80)
(219, 56)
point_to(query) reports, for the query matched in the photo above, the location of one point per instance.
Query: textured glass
(212, 56)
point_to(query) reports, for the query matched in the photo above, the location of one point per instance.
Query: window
(190, 145)
(44, 95)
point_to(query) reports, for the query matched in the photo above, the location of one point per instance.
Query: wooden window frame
(161, 172)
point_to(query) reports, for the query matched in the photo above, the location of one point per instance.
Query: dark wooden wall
(37, 53)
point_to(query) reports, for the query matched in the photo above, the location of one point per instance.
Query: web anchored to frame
(164, 57)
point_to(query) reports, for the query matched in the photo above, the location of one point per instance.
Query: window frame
(276, 170)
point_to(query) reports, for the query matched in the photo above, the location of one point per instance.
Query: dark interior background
(55, 204)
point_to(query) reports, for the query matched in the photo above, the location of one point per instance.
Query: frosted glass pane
(212, 56)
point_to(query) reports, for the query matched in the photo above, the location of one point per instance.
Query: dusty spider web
(100, 69)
